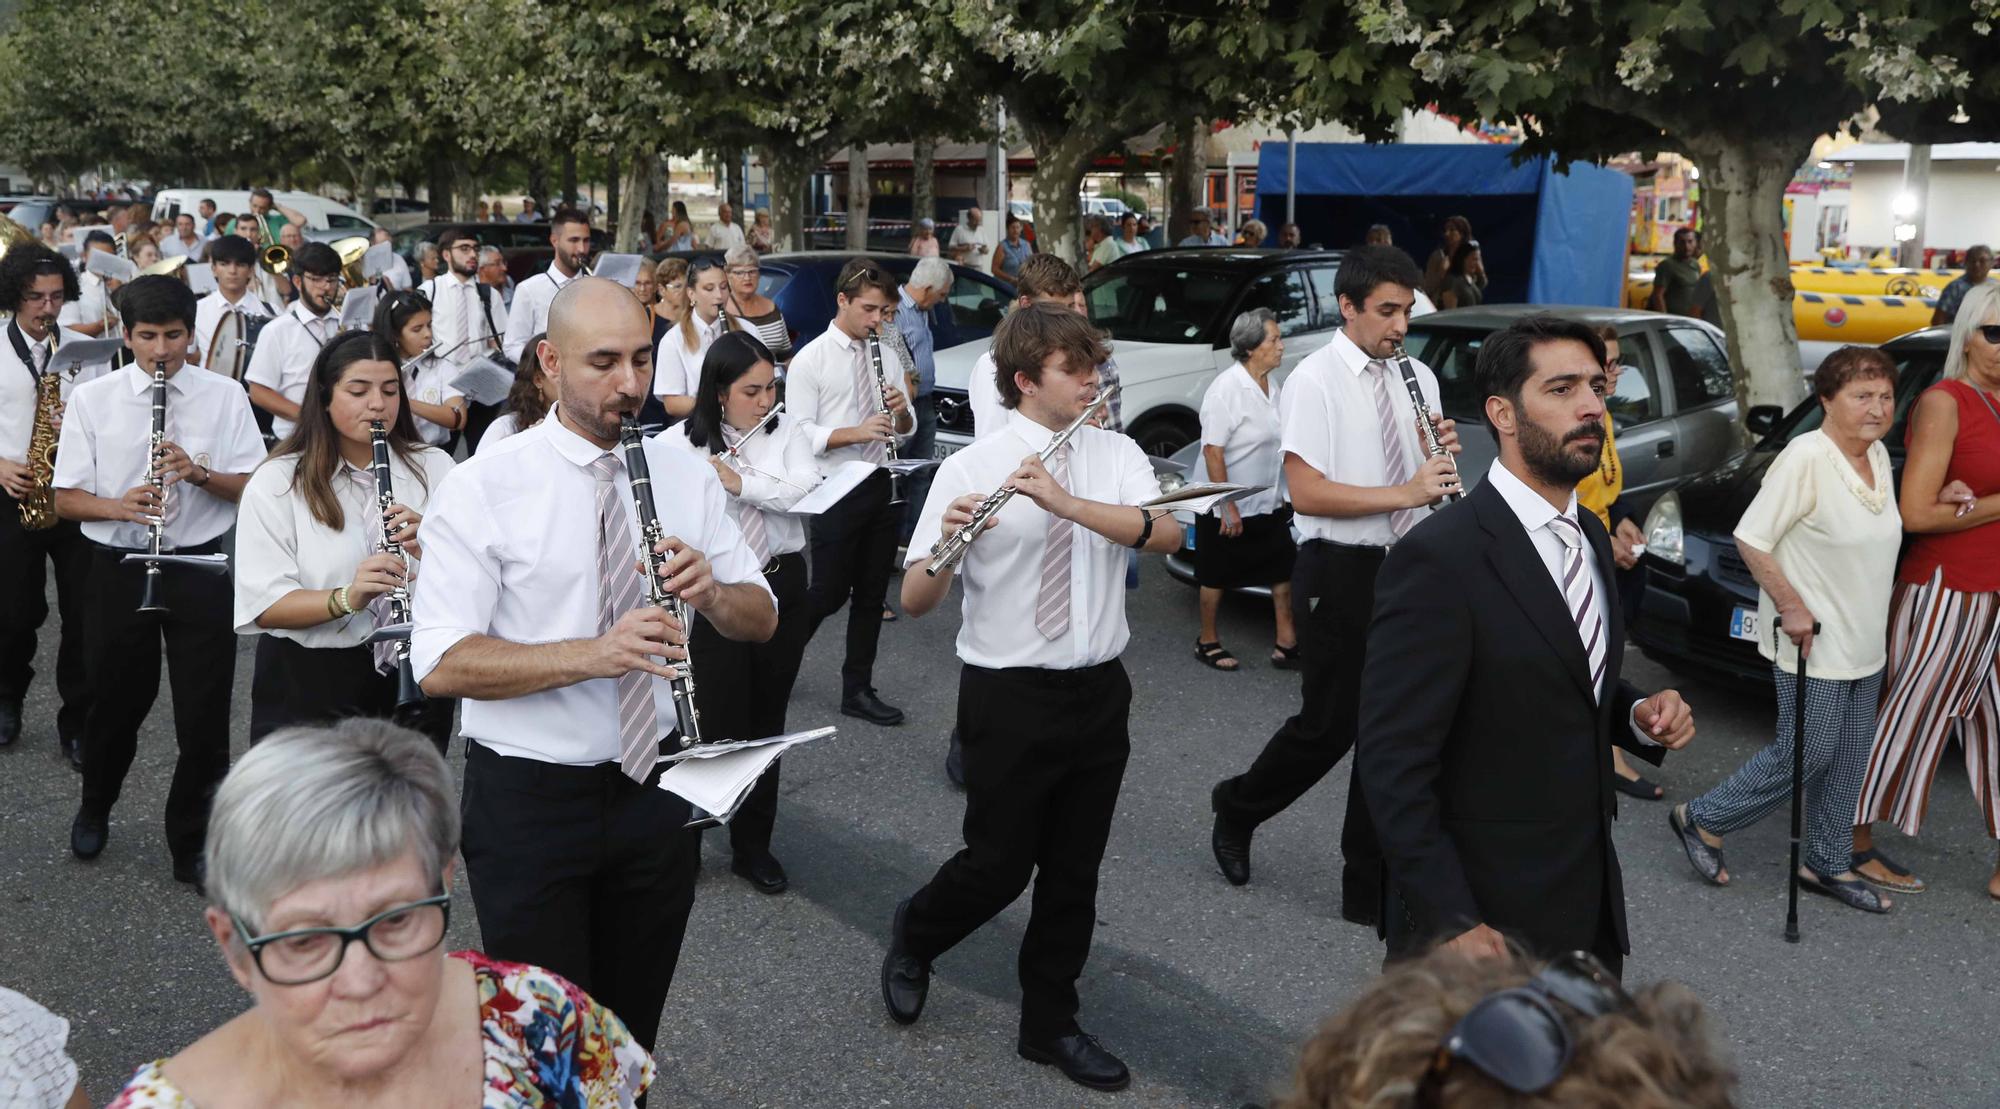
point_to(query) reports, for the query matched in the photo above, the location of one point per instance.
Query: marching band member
(310, 571)
(1359, 479)
(404, 320)
(92, 314)
(35, 283)
(221, 326)
(528, 401)
(103, 469)
(286, 349)
(766, 468)
(677, 364)
(1044, 278)
(528, 313)
(848, 414)
(468, 316)
(1043, 701)
(530, 610)
(272, 288)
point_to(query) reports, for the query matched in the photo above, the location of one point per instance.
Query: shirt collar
(1533, 510)
(140, 379)
(304, 316)
(1035, 435)
(841, 338)
(1351, 356)
(455, 279)
(574, 448)
(556, 275)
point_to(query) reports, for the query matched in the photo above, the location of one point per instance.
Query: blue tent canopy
(1547, 237)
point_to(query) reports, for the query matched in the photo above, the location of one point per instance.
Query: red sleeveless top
(1970, 558)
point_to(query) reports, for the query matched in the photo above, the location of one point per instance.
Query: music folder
(71, 358)
(1199, 497)
(716, 778)
(484, 380)
(357, 308)
(839, 482)
(622, 268)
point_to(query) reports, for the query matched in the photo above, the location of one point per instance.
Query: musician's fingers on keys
(402, 520)
(1447, 432)
(959, 513)
(639, 641)
(375, 575)
(880, 426)
(686, 573)
(1439, 475)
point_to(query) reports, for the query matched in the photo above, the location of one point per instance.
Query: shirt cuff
(1641, 732)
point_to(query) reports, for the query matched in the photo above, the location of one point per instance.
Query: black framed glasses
(1989, 332)
(1516, 1037)
(393, 935)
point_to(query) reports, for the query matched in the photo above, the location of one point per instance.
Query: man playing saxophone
(35, 284)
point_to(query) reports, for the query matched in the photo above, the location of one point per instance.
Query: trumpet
(632, 444)
(408, 692)
(1433, 446)
(950, 550)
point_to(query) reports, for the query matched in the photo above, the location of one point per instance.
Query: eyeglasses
(1515, 1036)
(393, 935)
(674, 285)
(1989, 332)
(743, 271)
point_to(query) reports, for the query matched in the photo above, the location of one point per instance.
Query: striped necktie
(864, 387)
(1052, 600)
(1396, 461)
(1580, 593)
(749, 518)
(619, 592)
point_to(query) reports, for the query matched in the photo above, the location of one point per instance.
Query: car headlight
(1663, 530)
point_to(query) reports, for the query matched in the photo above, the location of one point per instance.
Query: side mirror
(1763, 419)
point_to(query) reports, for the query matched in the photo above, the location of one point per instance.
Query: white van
(326, 220)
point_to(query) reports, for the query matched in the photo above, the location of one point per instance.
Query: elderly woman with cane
(1821, 538)
(330, 857)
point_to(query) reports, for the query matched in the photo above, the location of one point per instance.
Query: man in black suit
(1492, 695)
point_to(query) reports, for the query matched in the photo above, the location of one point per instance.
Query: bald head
(588, 306)
(599, 351)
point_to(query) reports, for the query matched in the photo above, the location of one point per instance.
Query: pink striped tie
(1580, 593)
(868, 399)
(1396, 461)
(749, 519)
(619, 592)
(1052, 600)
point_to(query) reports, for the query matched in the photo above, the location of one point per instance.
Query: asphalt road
(1206, 990)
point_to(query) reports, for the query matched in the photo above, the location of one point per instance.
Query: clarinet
(882, 383)
(407, 690)
(632, 444)
(149, 597)
(1432, 445)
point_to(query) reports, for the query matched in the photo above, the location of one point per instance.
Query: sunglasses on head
(1989, 332)
(1516, 1037)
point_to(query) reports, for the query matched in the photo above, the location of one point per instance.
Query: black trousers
(124, 649)
(581, 870)
(853, 555)
(744, 689)
(25, 558)
(1044, 755)
(1333, 597)
(479, 417)
(295, 685)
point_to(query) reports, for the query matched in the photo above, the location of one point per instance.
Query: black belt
(777, 561)
(1365, 549)
(1055, 679)
(106, 550)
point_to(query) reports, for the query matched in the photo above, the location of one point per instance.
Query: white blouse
(1242, 419)
(281, 546)
(430, 381)
(778, 469)
(676, 369)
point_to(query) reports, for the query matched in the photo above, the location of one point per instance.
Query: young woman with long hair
(678, 361)
(403, 319)
(529, 400)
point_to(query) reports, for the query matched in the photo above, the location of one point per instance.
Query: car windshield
(1916, 370)
(1159, 304)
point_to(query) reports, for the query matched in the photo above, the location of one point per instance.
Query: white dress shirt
(528, 313)
(510, 551)
(173, 247)
(208, 316)
(777, 468)
(107, 439)
(91, 303)
(1329, 417)
(18, 387)
(1238, 416)
(1002, 569)
(977, 256)
(284, 356)
(820, 391)
(723, 236)
(983, 389)
(429, 380)
(503, 426)
(456, 315)
(676, 369)
(281, 546)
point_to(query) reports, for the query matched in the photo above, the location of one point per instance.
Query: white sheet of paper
(70, 251)
(484, 381)
(1199, 497)
(79, 233)
(357, 308)
(622, 268)
(378, 260)
(72, 357)
(908, 466)
(840, 481)
(201, 278)
(716, 778)
(107, 265)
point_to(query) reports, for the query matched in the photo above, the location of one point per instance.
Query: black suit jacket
(1485, 761)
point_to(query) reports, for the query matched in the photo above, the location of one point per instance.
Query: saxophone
(38, 510)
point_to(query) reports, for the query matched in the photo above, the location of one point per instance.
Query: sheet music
(378, 260)
(74, 356)
(1199, 497)
(357, 308)
(107, 265)
(200, 278)
(716, 778)
(904, 467)
(484, 381)
(622, 268)
(840, 481)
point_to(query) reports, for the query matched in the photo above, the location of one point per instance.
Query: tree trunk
(1063, 154)
(632, 232)
(569, 177)
(615, 175)
(923, 179)
(538, 184)
(787, 171)
(1187, 183)
(857, 197)
(1743, 183)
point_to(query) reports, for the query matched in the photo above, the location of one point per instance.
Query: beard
(1556, 461)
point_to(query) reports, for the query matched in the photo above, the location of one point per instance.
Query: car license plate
(945, 450)
(1187, 535)
(1743, 624)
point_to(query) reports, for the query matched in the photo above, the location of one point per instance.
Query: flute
(731, 454)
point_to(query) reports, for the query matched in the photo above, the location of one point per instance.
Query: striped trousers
(1840, 725)
(1941, 676)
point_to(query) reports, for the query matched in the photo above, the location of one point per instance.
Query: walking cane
(1798, 795)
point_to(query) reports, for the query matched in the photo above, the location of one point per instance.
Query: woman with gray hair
(330, 856)
(1249, 541)
(756, 313)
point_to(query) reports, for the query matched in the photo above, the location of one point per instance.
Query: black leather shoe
(88, 834)
(194, 873)
(1231, 843)
(1080, 1057)
(10, 722)
(762, 871)
(871, 708)
(72, 749)
(906, 980)
(954, 761)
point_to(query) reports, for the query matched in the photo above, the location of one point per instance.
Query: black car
(1699, 611)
